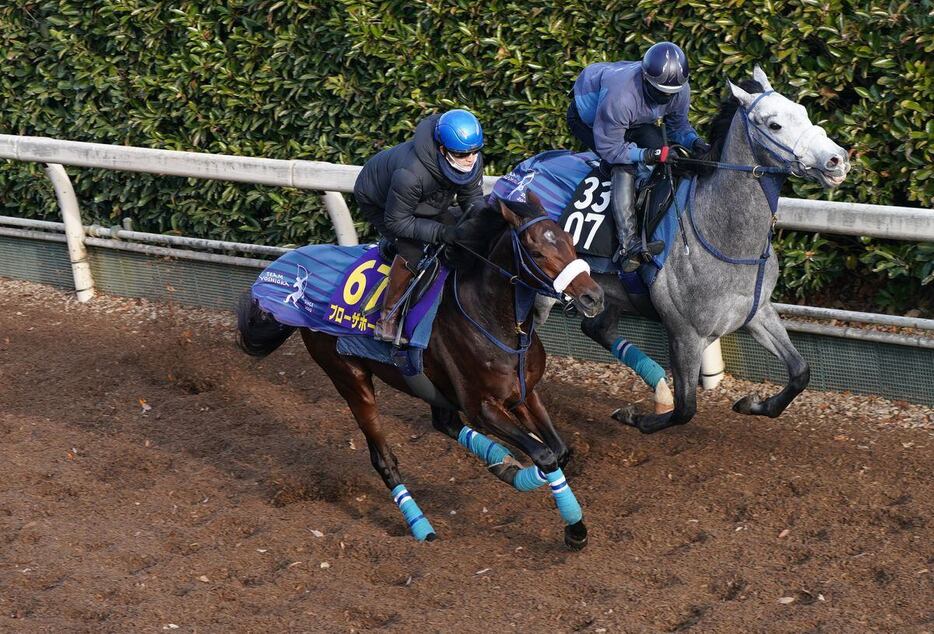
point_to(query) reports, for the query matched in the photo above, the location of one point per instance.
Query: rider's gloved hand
(651, 157)
(451, 234)
(700, 147)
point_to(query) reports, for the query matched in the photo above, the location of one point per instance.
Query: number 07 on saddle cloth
(575, 194)
(339, 291)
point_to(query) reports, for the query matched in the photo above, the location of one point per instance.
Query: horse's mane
(483, 225)
(720, 125)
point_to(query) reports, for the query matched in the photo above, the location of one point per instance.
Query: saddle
(431, 266)
(656, 195)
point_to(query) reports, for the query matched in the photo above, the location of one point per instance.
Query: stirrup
(636, 256)
(380, 334)
(631, 263)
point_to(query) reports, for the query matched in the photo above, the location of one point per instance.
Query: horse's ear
(759, 75)
(509, 215)
(743, 97)
(536, 202)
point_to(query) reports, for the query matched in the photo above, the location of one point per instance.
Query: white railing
(904, 223)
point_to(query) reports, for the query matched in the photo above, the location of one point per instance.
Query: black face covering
(654, 95)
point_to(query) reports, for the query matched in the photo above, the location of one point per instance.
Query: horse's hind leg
(498, 459)
(686, 352)
(603, 330)
(355, 383)
(766, 327)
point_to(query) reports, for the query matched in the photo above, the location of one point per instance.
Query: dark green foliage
(339, 80)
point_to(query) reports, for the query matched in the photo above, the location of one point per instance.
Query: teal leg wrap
(529, 479)
(418, 524)
(482, 447)
(641, 363)
(567, 504)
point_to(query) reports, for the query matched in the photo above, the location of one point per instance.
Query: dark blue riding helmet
(459, 131)
(665, 68)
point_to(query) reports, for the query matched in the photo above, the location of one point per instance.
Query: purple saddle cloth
(338, 290)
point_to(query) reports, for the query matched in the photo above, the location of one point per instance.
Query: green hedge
(338, 80)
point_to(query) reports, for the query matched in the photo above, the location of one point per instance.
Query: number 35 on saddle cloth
(575, 192)
(339, 290)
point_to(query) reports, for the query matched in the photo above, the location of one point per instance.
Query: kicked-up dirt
(155, 479)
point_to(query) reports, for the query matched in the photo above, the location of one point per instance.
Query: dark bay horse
(721, 271)
(472, 358)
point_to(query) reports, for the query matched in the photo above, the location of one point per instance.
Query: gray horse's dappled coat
(700, 297)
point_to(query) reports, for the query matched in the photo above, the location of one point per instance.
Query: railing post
(712, 366)
(74, 231)
(340, 217)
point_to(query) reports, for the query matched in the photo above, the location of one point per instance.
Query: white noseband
(571, 271)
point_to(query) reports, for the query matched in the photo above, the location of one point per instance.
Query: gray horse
(720, 275)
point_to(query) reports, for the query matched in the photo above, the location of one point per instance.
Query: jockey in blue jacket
(613, 111)
(406, 191)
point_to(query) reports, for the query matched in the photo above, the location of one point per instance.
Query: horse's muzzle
(590, 302)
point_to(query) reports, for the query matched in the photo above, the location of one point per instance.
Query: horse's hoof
(746, 405)
(575, 536)
(650, 423)
(505, 470)
(626, 415)
(430, 537)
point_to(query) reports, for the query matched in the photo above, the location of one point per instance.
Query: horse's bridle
(524, 294)
(794, 165)
(526, 265)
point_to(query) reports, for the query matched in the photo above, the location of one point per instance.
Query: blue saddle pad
(568, 181)
(668, 229)
(338, 290)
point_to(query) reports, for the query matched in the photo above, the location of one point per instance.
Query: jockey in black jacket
(405, 192)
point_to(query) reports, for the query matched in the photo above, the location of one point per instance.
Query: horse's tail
(259, 332)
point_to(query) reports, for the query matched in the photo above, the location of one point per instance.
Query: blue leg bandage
(482, 447)
(564, 498)
(529, 479)
(641, 363)
(418, 524)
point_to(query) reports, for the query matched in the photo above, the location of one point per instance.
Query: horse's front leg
(533, 415)
(495, 418)
(685, 351)
(766, 328)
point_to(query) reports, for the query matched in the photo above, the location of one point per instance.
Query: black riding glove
(700, 147)
(451, 234)
(651, 157)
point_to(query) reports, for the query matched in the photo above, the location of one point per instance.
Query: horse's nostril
(591, 299)
(833, 162)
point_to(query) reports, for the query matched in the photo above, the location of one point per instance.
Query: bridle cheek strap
(571, 271)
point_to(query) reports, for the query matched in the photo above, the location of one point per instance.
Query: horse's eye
(535, 254)
(775, 126)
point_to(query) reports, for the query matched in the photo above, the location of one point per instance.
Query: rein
(789, 166)
(523, 295)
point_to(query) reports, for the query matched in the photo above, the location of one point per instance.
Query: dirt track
(156, 479)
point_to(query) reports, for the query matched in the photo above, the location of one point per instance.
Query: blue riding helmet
(665, 68)
(459, 131)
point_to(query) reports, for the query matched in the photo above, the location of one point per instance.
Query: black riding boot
(399, 278)
(624, 215)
